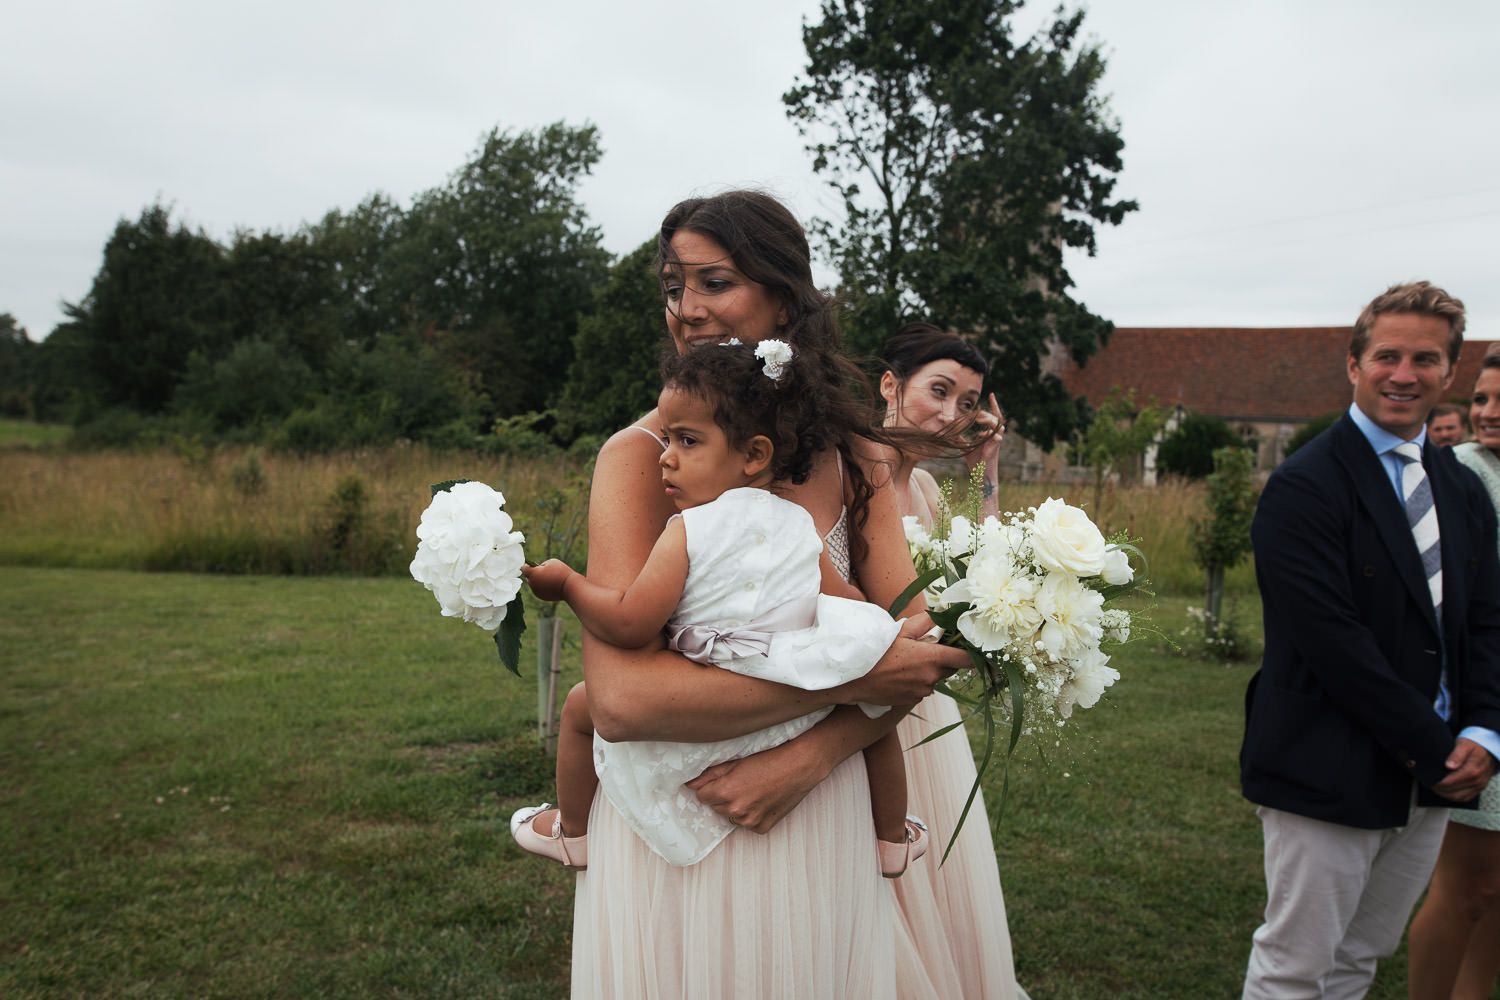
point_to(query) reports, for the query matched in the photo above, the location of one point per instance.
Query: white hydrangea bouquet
(471, 559)
(1025, 594)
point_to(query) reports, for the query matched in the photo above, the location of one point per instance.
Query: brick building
(1266, 382)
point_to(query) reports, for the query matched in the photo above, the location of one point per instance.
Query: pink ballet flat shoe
(571, 852)
(895, 858)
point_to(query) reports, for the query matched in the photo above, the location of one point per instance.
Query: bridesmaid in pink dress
(791, 905)
(953, 914)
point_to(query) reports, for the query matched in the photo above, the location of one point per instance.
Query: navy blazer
(1339, 720)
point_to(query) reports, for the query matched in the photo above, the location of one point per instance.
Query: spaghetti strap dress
(751, 605)
(953, 939)
(800, 912)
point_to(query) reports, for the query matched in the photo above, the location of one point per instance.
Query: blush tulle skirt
(951, 931)
(800, 912)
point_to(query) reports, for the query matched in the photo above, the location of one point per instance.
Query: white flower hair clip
(776, 355)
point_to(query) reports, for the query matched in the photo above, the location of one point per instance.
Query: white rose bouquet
(470, 559)
(1025, 594)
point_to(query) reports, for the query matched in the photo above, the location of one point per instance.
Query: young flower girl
(736, 580)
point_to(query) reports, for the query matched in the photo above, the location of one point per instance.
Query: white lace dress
(751, 605)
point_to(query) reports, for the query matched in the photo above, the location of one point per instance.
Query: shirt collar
(1381, 439)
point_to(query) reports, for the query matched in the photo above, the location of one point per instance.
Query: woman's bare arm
(758, 791)
(652, 693)
(988, 418)
(923, 482)
(834, 585)
(885, 569)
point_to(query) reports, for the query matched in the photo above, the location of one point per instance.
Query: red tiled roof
(1468, 369)
(1286, 374)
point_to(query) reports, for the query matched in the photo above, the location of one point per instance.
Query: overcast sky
(1291, 157)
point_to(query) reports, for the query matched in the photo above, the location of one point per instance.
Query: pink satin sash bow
(697, 642)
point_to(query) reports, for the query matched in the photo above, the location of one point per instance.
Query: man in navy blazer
(1374, 710)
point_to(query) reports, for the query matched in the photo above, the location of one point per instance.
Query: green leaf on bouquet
(949, 616)
(984, 708)
(917, 586)
(508, 639)
(957, 693)
(982, 766)
(937, 733)
(446, 485)
(1017, 702)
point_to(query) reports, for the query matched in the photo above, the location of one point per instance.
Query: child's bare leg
(576, 780)
(887, 775)
(899, 840)
(562, 833)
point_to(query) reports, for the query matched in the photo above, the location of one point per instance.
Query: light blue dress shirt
(1384, 443)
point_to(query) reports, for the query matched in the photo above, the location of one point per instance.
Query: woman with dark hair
(932, 387)
(1455, 936)
(932, 384)
(792, 904)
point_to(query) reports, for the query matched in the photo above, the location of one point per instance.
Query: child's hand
(547, 580)
(920, 627)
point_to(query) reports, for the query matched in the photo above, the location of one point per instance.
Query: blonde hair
(1422, 297)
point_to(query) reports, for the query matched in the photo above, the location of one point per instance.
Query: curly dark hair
(798, 412)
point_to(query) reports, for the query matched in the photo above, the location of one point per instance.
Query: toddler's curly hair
(800, 413)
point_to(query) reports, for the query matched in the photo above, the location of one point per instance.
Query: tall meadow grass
(243, 511)
(1160, 518)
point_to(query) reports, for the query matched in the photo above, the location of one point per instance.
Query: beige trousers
(1337, 899)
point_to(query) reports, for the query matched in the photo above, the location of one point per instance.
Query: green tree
(1118, 434)
(615, 376)
(1222, 539)
(1189, 450)
(984, 159)
(256, 383)
(374, 283)
(61, 381)
(1310, 430)
(16, 355)
(283, 290)
(507, 262)
(156, 301)
(395, 390)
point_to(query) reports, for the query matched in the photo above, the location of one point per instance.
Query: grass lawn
(298, 787)
(29, 434)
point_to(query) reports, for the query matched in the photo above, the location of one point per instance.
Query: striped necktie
(1416, 491)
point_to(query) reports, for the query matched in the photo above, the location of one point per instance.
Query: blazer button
(1410, 764)
(1369, 571)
